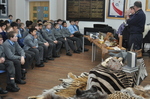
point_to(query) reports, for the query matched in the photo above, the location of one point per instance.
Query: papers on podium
(131, 59)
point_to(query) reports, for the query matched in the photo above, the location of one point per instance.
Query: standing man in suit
(31, 44)
(50, 38)
(15, 53)
(136, 25)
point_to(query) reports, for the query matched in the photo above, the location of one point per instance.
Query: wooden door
(39, 10)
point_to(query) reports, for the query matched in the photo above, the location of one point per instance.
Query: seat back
(2, 71)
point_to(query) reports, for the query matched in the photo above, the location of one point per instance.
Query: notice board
(86, 10)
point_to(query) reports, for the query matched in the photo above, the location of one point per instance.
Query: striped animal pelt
(108, 80)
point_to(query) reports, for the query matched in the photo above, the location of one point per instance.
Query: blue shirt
(19, 34)
(75, 27)
(10, 21)
(65, 28)
(49, 30)
(72, 29)
(11, 42)
(57, 29)
(21, 30)
(60, 27)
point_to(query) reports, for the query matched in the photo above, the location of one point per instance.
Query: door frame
(31, 11)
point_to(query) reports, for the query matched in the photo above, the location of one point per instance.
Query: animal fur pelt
(68, 86)
(80, 94)
(74, 88)
(92, 93)
(139, 92)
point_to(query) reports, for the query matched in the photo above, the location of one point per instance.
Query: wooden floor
(46, 77)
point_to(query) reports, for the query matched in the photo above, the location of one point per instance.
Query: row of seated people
(36, 42)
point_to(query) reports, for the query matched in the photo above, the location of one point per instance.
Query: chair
(2, 71)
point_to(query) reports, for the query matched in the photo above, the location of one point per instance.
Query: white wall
(20, 12)
(20, 9)
(53, 9)
(12, 8)
(60, 9)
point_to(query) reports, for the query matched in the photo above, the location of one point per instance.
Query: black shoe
(76, 51)
(12, 88)
(23, 74)
(79, 50)
(23, 71)
(56, 56)
(20, 81)
(39, 65)
(42, 61)
(86, 49)
(45, 60)
(23, 78)
(68, 54)
(2, 91)
(50, 58)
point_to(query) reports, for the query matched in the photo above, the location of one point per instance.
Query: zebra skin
(109, 81)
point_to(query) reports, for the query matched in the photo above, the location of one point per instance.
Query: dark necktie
(75, 28)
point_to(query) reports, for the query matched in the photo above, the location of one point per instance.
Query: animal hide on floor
(67, 88)
(74, 88)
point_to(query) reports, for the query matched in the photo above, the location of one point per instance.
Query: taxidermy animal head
(113, 63)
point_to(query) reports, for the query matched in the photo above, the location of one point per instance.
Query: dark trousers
(17, 66)
(38, 54)
(29, 58)
(77, 34)
(81, 40)
(71, 45)
(56, 47)
(10, 68)
(47, 51)
(137, 40)
(78, 42)
(65, 42)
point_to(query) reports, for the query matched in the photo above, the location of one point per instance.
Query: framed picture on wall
(4, 12)
(147, 5)
(4, 8)
(116, 9)
(3, 2)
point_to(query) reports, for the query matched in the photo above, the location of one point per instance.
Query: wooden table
(104, 49)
